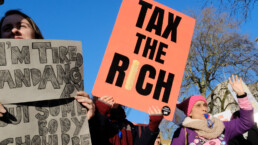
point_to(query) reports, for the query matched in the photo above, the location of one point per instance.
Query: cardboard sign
(33, 70)
(146, 55)
(55, 122)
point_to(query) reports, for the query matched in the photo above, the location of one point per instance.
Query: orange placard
(146, 55)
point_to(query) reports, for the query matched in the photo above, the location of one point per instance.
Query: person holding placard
(199, 128)
(117, 130)
(17, 25)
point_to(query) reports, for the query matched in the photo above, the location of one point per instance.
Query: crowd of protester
(107, 119)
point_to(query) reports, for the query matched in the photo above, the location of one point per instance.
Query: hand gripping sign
(33, 70)
(146, 55)
(49, 70)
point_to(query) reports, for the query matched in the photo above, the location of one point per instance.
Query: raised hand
(2, 110)
(236, 85)
(84, 98)
(154, 111)
(108, 100)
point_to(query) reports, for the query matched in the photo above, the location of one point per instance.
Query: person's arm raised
(237, 86)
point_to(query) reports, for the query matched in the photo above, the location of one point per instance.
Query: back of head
(38, 34)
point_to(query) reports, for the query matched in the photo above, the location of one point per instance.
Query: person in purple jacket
(199, 128)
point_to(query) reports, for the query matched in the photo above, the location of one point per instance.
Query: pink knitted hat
(187, 105)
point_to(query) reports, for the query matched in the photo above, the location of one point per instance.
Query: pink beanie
(187, 105)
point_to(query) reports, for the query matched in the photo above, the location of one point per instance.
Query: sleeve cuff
(242, 96)
(102, 107)
(244, 103)
(154, 122)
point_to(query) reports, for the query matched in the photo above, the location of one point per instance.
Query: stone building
(223, 100)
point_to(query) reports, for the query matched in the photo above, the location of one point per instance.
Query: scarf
(202, 129)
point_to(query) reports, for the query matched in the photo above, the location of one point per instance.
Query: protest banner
(146, 55)
(54, 122)
(33, 70)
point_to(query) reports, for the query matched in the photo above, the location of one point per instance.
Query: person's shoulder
(179, 136)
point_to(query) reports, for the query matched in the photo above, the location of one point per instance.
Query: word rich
(120, 65)
(58, 72)
(46, 123)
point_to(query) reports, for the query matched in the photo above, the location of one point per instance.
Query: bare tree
(222, 99)
(217, 50)
(240, 8)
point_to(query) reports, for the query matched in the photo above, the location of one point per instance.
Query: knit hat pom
(187, 105)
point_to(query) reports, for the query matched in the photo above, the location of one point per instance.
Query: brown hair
(38, 34)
